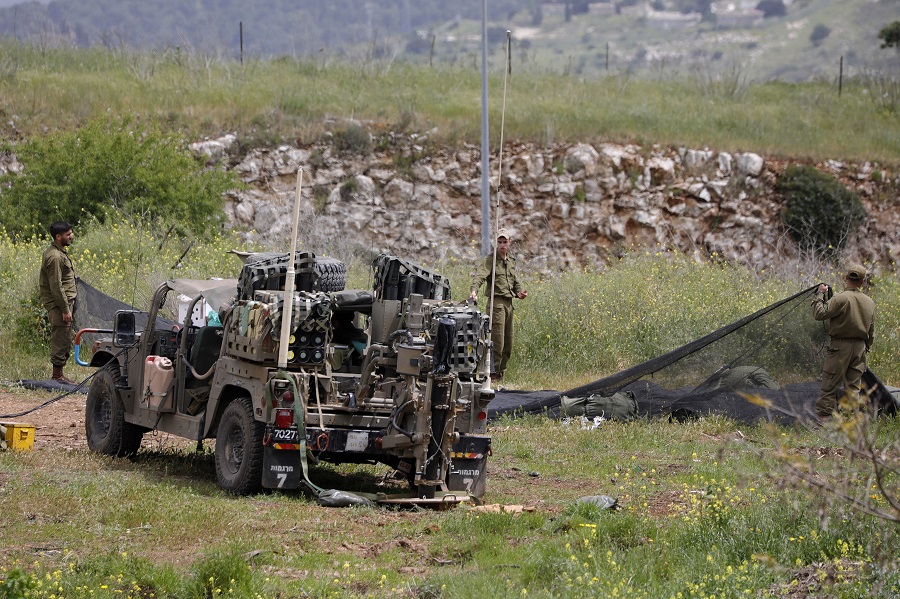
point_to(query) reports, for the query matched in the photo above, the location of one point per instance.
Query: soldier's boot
(59, 376)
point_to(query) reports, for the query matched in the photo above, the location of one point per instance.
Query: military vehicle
(397, 375)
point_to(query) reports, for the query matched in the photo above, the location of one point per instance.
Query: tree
(772, 8)
(102, 168)
(819, 33)
(890, 36)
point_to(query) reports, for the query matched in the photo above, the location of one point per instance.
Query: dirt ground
(59, 425)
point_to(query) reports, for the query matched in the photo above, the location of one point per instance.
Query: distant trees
(819, 33)
(890, 36)
(772, 8)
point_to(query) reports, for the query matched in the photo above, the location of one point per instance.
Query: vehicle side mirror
(125, 333)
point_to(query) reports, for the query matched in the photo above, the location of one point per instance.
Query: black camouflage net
(774, 354)
(96, 310)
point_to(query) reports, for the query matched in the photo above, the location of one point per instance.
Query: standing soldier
(57, 286)
(505, 287)
(851, 325)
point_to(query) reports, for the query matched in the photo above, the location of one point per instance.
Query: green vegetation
(287, 99)
(819, 211)
(101, 170)
(890, 36)
(123, 258)
(704, 513)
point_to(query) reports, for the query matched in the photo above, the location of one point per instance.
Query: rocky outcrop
(567, 205)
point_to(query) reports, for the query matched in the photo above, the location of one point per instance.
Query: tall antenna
(499, 181)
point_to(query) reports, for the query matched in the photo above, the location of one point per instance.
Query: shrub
(819, 211)
(103, 169)
(352, 140)
(890, 36)
(819, 33)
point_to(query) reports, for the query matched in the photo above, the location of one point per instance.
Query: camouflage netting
(775, 354)
(96, 310)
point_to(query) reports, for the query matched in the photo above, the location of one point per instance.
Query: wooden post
(607, 56)
(241, 35)
(431, 53)
(841, 76)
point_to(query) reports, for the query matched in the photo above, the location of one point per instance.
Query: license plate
(286, 435)
(357, 441)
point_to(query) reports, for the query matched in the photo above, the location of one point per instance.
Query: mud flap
(468, 465)
(282, 468)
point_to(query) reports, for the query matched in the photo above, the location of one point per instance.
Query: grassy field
(708, 508)
(270, 102)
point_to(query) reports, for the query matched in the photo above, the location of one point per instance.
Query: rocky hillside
(568, 205)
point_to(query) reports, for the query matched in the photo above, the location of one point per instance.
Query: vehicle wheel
(104, 418)
(332, 274)
(239, 449)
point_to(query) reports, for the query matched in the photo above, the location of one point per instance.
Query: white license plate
(286, 435)
(357, 441)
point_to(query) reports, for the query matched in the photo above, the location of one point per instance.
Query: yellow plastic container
(19, 436)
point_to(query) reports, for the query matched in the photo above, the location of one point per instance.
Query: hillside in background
(663, 38)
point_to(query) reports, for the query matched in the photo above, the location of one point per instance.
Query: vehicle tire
(104, 418)
(239, 449)
(332, 274)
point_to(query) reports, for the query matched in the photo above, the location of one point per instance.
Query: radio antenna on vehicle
(506, 70)
(289, 280)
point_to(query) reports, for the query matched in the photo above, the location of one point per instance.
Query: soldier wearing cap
(851, 325)
(505, 286)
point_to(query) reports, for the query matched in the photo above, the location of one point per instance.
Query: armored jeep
(396, 375)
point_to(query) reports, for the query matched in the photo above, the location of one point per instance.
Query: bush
(890, 36)
(819, 211)
(102, 169)
(819, 33)
(352, 140)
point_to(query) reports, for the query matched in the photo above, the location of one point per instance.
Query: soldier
(505, 288)
(851, 325)
(57, 287)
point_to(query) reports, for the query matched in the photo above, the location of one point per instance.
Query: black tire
(104, 418)
(239, 449)
(332, 275)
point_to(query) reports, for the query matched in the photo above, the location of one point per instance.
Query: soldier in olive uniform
(57, 288)
(505, 287)
(851, 325)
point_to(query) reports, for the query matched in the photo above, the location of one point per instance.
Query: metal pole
(841, 77)
(485, 150)
(242, 41)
